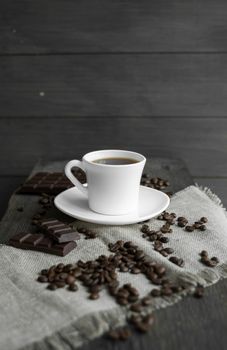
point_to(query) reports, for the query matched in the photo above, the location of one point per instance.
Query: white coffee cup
(111, 189)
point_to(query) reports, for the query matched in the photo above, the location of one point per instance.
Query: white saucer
(151, 203)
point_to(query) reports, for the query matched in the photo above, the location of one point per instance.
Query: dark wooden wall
(144, 75)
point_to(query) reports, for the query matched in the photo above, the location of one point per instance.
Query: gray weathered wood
(94, 26)
(201, 143)
(8, 184)
(114, 85)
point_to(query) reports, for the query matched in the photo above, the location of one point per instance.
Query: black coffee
(115, 161)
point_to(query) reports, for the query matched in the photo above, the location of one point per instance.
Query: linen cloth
(32, 317)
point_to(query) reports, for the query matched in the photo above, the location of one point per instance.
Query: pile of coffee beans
(211, 262)
(154, 182)
(89, 234)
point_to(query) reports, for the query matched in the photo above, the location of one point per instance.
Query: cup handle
(72, 178)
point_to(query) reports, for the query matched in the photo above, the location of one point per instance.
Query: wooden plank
(218, 186)
(170, 85)
(110, 26)
(8, 184)
(201, 143)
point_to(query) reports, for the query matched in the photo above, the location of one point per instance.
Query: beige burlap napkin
(32, 317)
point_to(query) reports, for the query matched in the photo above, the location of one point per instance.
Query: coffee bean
(135, 318)
(155, 292)
(164, 253)
(70, 279)
(177, 261)
(132, 298)
(44, 272)
(63, 275)
(181, 223)
(135, 270)
(168, 250)
(60, 284)
(124, 333)
(146, 301)
(113, 334)
(166, 291)
(52, 286)
(158, 245)
(176, 289)
(142, 327)
(42, 279)
(204, 253)
(211, 263)
(199, 292)
(160, 270)
(123, 268)
(60, 266)
(182, 218)
(136, 307)
(94, 296)
(149, 319)
(164, 239)
(215, 259)
(73, 287)
(122, 301)
(204, 219)
(189, 228)
(203, 228)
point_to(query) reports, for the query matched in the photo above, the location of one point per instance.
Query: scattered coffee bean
(52, 286)
(204, 253)
(189, 228)
(215, 259)
(42, 279)
(146, 301)
(199, 291)
(204, 219)
(155, 292)
(136, 307)
(94, 296)
(73, 287)
(177, 261)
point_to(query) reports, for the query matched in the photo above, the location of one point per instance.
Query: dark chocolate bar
(42, 243)
(50, 183)
(59, 231)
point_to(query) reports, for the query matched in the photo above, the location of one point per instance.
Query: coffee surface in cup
(115, 161)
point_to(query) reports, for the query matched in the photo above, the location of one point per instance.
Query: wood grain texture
(201, 143)
(114, 85)
(110, 26)
(8, 185)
